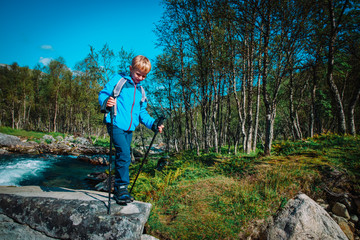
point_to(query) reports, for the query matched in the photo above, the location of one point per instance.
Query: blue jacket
(130, 110)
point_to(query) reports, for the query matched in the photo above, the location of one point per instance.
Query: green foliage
(101, 142)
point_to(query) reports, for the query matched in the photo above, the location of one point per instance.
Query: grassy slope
(224, 196)
(31, 135)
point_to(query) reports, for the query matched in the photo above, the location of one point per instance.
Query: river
(45, 170)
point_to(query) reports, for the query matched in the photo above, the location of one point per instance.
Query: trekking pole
(110, 157)
(161, 120)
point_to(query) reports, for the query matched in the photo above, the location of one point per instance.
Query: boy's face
(137, 75)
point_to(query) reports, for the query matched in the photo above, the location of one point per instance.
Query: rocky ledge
(34, 212)
(61, 146)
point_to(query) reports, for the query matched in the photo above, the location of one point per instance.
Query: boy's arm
(145, 117)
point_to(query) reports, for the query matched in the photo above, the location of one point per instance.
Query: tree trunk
(249, 122)
(13, 115)
(312, 108)
(351, 110)
(24, 108)
(270, 116)
(257, 115)
(294, 126)
(55, 117)
(243, 109)
(269, 130)
(330, 71)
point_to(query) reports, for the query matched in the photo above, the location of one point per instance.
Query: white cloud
(45, 61)
(47, 47)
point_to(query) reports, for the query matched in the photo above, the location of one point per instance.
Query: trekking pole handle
(160, 122)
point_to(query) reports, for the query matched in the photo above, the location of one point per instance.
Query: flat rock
(64, 213)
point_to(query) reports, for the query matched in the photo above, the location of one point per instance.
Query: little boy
(130, 110)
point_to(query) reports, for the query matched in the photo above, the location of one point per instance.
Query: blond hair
(141, 63)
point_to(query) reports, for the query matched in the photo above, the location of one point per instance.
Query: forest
(234, 75)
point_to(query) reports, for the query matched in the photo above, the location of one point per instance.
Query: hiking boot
(122, 196)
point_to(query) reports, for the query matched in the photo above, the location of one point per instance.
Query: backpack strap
(143, 98)
(118, 87)
(117, 90)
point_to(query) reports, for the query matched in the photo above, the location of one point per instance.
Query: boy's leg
(122, 140)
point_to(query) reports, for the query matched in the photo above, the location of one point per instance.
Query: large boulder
(10, 141)
(10, 230)
(63, 213)
(302, 218)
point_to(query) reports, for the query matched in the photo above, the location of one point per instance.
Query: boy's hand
(157, 125)
(160, 128)
(111, 102)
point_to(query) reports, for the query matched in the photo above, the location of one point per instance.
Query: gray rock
(59, 138)
(82, 141)
(348, 203)
(48, 144)
(325, 206)
(73, 214)
(69, 138)
(3, 151)
(341, 210)
(354, 218)
(9, 140)
(11, 230)
(48, 138)
(347, 227)
(148, 237)
(95, 160)
(302, 218)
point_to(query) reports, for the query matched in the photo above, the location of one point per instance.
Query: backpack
(117, 90)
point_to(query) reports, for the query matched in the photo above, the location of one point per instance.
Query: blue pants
(121, 140)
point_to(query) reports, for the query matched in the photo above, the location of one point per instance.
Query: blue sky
(39, 30)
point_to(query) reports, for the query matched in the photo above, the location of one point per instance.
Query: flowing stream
(45, 170)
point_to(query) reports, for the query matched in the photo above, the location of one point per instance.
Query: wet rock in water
(3, 151)
(63, 213)
(303, 218)
(94, 160)
(97, 176)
